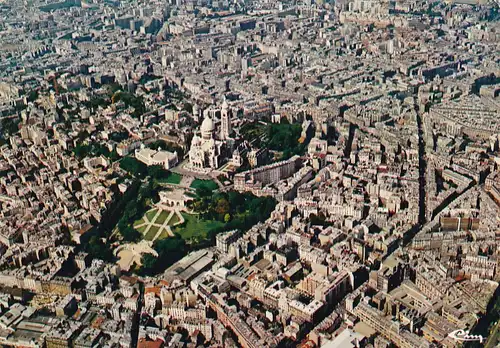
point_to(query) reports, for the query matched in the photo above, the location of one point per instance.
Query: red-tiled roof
(154, 289)
(144, 343)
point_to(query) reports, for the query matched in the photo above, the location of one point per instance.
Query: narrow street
(348, 146)
(422, 168)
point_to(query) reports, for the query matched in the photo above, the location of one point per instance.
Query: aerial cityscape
(256, 173)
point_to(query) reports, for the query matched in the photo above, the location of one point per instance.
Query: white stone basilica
(208, 152)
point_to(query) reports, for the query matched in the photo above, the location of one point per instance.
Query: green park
(173, 233)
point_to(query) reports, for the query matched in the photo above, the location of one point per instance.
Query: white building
(159, 157)
(205, 152)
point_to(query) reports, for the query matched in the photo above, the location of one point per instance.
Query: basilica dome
(207, 127)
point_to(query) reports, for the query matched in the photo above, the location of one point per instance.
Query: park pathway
(165, 226)
(151, 223)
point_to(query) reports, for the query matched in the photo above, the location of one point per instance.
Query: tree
(169, 250)
(227, 218)
(319, 219)
(9, 125)
(113, 156)
(236, 200)
(98, 250)
(285, 137)
(133, 166)
(131, 100)
(113, 88)
(203, 191)
(83, 135)
(199, 205)
(81, 151)
(222, 206)
(130, 234)
(149, 264)
(118, 136)
(188, 107)
(130, 209)
(32, 95)
(157, 172)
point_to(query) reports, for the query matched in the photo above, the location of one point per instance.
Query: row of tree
(135, 209)
(99, 245)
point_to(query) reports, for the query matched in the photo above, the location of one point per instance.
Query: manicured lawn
(151, 233)
(173, 220)
(151, 214)
(139, 222)
(142, 229)
(194, 227)
(209, 184)
(163, 234)
(173, 178)
(162, 217)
